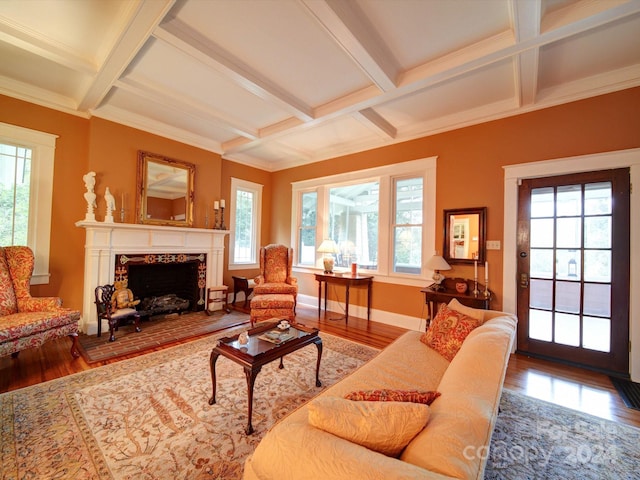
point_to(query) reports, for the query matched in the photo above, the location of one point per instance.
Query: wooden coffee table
(257, 352)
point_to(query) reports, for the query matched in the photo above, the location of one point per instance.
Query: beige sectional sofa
(454, 442)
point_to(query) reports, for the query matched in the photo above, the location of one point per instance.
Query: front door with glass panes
(573, 269)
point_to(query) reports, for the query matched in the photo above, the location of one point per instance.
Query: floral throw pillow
(448, 330)
(413, 396)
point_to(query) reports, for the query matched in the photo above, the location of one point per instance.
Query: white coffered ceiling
(279, 83)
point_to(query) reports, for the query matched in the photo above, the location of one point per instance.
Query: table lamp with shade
(328, 247)
(437, 263)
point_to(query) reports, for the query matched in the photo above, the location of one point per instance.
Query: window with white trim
(245, 214)
(383, 218)
(26, 188)
(15, 174)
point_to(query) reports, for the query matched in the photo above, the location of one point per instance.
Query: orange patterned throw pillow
(448, 330)
(413, 396)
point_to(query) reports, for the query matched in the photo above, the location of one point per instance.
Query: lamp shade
(437, 263)
(328, 246)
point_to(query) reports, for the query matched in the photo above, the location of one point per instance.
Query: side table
(347, 280)
(218, 296)
(241, 284)
(434, 297)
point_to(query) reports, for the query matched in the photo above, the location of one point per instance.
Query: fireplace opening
(165, 287)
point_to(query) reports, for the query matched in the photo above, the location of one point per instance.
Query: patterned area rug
(149, 417)
(534, 439)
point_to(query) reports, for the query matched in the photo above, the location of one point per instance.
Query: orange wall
(66, 263)
(470, 173)
(110, 150)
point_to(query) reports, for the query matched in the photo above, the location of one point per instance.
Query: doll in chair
(123, 296)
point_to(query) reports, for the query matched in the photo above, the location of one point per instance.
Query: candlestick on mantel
(216, 205)
(222, 203)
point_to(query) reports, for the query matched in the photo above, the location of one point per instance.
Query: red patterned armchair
(275, 272)
(26, 321)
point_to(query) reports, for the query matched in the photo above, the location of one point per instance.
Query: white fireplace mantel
(105, 240)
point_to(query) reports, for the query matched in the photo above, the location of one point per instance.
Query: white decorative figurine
(90, 196)
(111, 206)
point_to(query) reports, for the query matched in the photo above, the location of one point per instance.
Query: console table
(433, 297)
(347, 280)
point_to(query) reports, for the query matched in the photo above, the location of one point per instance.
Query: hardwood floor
(571, 387)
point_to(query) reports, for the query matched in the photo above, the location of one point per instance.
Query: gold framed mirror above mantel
(164, 190)
(465, 235)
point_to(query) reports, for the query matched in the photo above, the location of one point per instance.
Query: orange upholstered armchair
(275, 272)
(26, 321)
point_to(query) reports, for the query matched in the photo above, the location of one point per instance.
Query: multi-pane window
(15, 179)
(246, 202)
(408, 225)
(570, 266)
(377, 222)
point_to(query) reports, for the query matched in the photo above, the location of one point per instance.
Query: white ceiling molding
(281, 84)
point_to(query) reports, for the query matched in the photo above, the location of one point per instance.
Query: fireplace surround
(107, 245)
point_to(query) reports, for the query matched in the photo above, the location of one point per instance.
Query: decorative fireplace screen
(165, 282)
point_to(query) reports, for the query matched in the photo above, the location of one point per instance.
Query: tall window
(407, 229)
(26, 187)
(15, 183)
(307, 229)
(246, 211)
(383, 219)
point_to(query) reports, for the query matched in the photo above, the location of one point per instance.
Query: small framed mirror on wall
(465, 235)
(164, 190)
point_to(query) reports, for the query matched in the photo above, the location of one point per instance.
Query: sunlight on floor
(569, 394)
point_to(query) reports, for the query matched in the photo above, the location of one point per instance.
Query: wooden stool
(241, 284)
(268, 306)
(219, 299)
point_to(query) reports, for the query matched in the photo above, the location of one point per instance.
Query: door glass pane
(540, 325)
(568, 297)
(567, 330)
(597, 232)
(568, 235)
(541, 233)
(597, 265)
(597, 299)
(568, 264)
(569, 200)
(542, 202)
(597, 198)
(597, 334)
(541, 294)
(541, 263)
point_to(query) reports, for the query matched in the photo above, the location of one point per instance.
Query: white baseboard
(381, 316)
